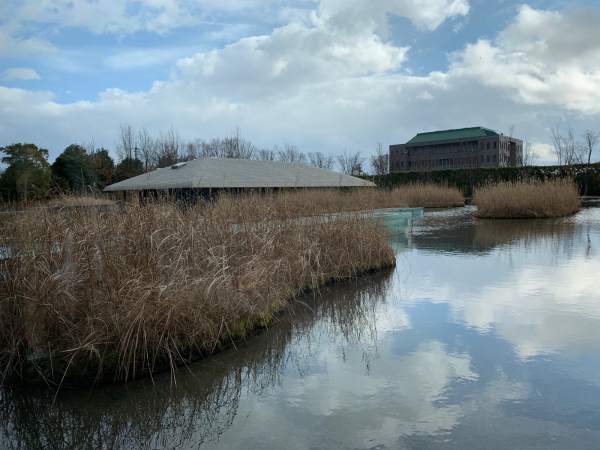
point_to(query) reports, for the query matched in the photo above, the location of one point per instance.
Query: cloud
(20, 73)
(541, 58)
(424, 95)
(21, 48)
(329, 79)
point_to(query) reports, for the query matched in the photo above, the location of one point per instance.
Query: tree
(566, 148)
(264, 154)
(146, 148)
(129, 168)
(351, 164)
(73, 166)
(103, 166)
(322, 161)
(28, 173)
(168, 148)
(380, 160)
(590, 140)
(529, 156)
(290, 153)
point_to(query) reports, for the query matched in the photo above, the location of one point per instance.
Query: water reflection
(205, 401)
(486, 335)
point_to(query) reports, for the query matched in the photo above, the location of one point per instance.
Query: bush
(527, 199)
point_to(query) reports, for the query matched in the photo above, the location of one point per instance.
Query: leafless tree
(511, 130)
(264, 154)
(529, 156)
(168, 148)
(566, 148)
(380, 160)
(351, 163)
(290, 153)
(235, 146)
(125, 142)
(322, 161)
(147, 149)
(590, 140)
(193, 149)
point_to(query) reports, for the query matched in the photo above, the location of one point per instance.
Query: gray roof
(236, 173)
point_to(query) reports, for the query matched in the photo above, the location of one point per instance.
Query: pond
(485, 335)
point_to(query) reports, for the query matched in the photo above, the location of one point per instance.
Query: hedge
(469, 178)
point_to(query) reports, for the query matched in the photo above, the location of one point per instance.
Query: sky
(324, 75)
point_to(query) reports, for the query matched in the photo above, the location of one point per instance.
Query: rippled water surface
(486, 335)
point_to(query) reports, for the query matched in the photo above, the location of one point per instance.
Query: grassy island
(527, 199)
(91, 294)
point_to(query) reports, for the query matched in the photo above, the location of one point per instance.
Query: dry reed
(527, 199)
(89, 294)
(429, 195)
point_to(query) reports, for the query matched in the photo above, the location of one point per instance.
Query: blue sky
(323, 75)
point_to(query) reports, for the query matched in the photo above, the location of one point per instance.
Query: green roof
(461, 133)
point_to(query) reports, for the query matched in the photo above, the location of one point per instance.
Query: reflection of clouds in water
(402, 396)
(539, 293)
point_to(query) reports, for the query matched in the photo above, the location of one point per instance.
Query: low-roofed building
(453, 149)
(206, 176)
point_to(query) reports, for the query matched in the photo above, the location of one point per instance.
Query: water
(485, 335)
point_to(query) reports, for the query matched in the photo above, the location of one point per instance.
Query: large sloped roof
(236, 173)
(461, 133)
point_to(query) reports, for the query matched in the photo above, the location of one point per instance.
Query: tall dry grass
(527, 199)
(334, 200)
(429, 195)
(89, 294)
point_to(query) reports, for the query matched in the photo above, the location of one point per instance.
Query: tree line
(84, 168)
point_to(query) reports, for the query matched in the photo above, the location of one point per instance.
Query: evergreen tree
(28, 173)
(73, 166)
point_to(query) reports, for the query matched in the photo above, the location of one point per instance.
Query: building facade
(454, 149)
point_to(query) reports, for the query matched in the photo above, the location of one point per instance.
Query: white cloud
(544, 152)
(21, 48)
(424, 95)
(327, 80)
(541, 58)
(20, 73)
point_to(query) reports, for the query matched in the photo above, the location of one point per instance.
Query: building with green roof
(459, 148)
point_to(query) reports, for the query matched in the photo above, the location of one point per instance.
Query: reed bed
(90, 295)
(527, 199)
(334, 200)
(429, 195)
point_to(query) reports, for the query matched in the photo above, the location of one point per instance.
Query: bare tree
(264, 154)
(351, 164)
(566, 148)
(235, 146)
(590, 140)
(529, 156)
(380, 160)
(147, 149)
(320, 160)
(168, 148)
(125, 142)
(511, 130)
(290, 153)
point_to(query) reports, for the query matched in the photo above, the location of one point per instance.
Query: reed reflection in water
(206, 398)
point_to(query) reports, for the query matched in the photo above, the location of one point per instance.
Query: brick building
(453, 149)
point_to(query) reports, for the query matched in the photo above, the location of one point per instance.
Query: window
(494, 158)
(488, 158)
(494, 144)
(402, 164)
(488, 145)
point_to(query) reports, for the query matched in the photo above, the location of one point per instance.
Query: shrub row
(469, 178)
